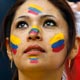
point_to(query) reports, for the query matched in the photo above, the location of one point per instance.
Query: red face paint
(57, 42)
(34, 9)
(14, 42)
(34, 61)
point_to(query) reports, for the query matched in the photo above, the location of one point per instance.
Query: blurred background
(5, 71)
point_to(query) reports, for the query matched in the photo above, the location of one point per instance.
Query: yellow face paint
(36, 6)
(36, 27)
(15, 40)
(34, 9)
(57, 42)
(35, 30)
(56, 38)
(32, 57)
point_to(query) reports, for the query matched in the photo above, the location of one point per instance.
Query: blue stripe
(35, 30)
(13, 46)
(33, 58)
(34, 9)
(57, 44)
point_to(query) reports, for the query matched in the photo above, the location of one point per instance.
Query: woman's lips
(34, 50)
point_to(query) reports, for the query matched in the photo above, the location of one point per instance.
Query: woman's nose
(34, 34)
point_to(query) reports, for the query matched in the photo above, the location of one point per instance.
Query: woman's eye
(49, 23)
(22, 24)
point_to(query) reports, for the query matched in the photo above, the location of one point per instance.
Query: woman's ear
(74, 51)
(9, 53)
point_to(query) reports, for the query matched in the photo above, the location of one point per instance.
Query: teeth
(37, 50)
(34, 50)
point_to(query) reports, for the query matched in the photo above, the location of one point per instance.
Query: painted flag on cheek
(57, 42)
(14, 42)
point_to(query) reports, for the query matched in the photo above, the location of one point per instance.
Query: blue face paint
(34, 9)
(34, 31)
(57, 42)
(33, 59)
(14, 42)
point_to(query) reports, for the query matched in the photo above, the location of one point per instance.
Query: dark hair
(60, 4)
(73, 0)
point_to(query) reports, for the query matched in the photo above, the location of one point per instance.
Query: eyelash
(22, 24)
(49, 23)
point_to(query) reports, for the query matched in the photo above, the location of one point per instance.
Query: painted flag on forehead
(35, 9)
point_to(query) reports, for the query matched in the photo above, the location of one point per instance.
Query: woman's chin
(31, 64)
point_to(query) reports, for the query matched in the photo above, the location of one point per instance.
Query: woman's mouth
(34, 50)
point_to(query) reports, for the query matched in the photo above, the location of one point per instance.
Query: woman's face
(39, 36)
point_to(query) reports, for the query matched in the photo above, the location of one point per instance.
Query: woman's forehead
(32, 7)
(38, 6)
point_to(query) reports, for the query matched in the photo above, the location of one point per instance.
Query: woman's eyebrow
(41, 16)
(26, 17)
(44, 16)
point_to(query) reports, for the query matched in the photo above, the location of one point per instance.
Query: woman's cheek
(14, 43)
(57, 42)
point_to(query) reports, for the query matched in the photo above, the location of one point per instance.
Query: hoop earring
(11, 64)
(69, 63)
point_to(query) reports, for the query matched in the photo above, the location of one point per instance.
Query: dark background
(5, 70)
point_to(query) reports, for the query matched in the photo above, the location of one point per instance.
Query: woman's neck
(37, 75)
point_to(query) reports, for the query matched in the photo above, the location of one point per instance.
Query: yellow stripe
(15, 40)
(56, 38)
(36, 27)
(32, 57)
(36, 6)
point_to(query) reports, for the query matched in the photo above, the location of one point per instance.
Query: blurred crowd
(73, 73)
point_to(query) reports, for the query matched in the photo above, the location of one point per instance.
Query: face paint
(34, 9)
(34, 31)
(33, 59)
(14, 42)
(57, 42)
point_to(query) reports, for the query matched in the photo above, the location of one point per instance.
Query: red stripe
(33, 12)
(32, 32)
(58, 48)
(14, 51)
(34, 61)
